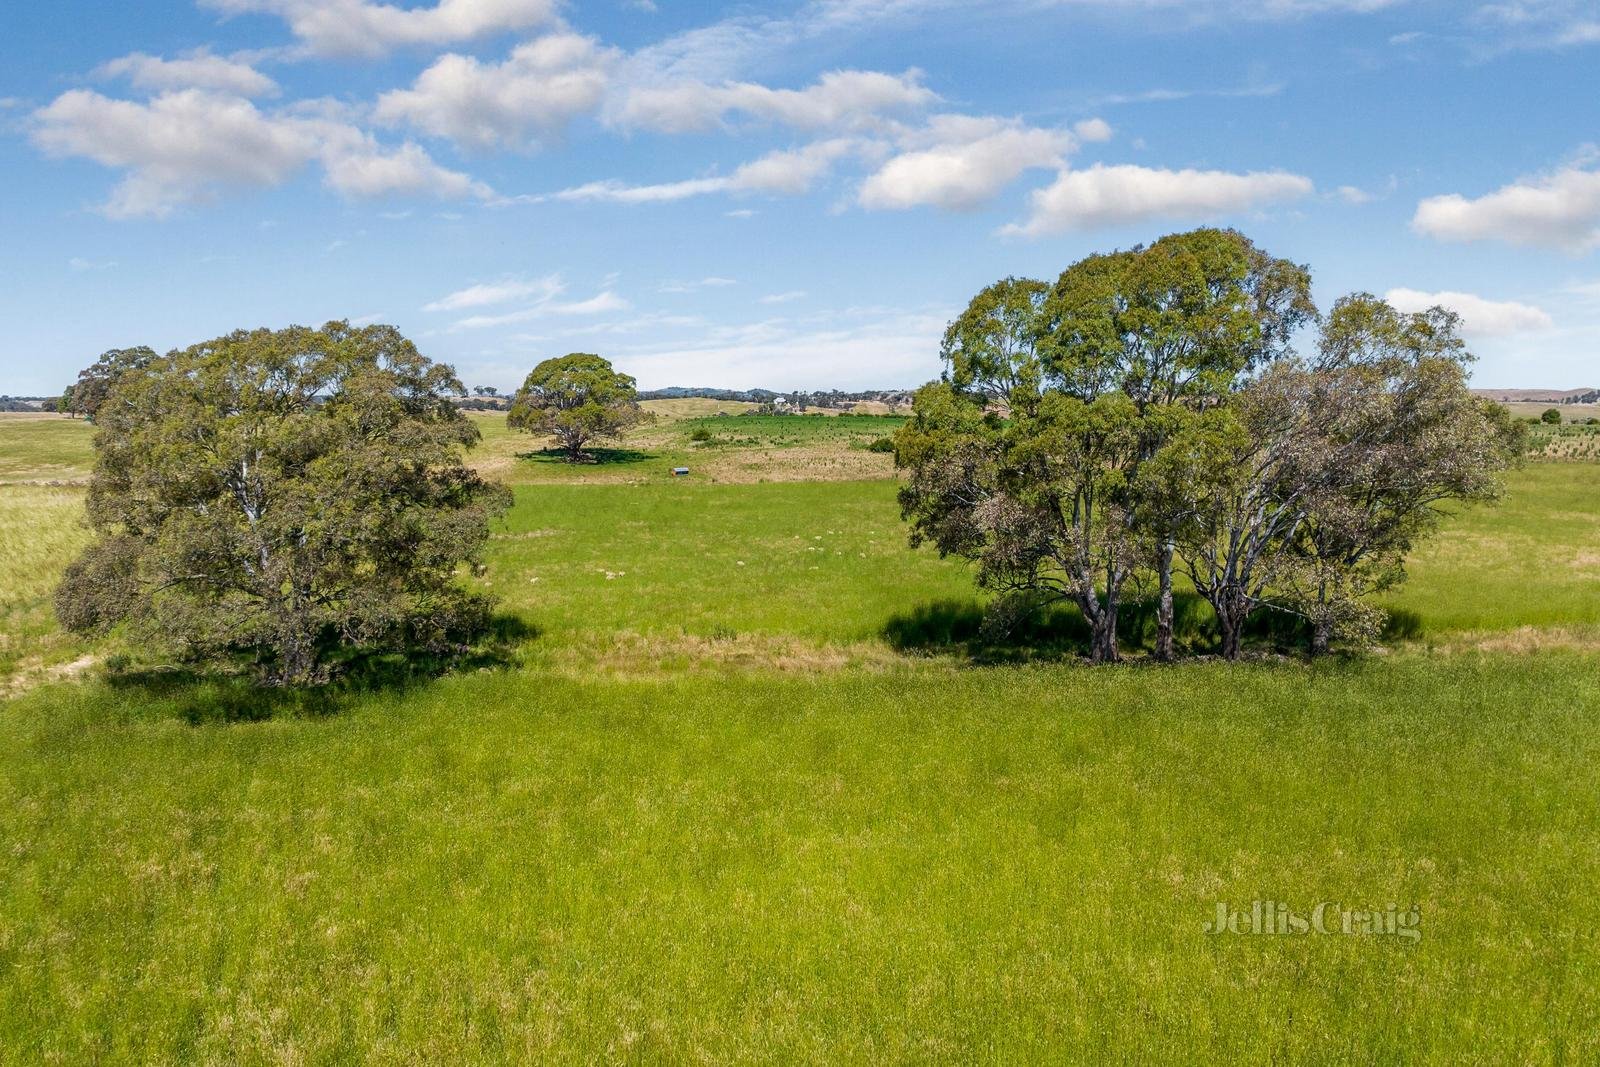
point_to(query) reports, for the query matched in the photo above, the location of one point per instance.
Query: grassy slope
(643, 853)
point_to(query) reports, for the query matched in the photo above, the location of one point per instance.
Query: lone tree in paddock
(577, 399)
(284, 501)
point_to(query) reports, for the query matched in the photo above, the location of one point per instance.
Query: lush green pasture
(1531, 560)
(44, 448)
(921, 864)
(714, 812)
(778, 431)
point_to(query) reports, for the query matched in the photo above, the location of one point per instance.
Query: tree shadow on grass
(592, 457)
(1059, 631)
(201, 697)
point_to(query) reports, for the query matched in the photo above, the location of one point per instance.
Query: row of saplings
(294, 504)
(1148, 415)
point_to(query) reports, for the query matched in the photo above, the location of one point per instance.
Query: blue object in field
(679, 472)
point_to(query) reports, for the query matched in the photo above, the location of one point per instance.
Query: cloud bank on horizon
(513, 177)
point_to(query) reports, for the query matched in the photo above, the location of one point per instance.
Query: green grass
(45, 449)
(714, 815)
(1531, 560)
(791, 431)
(1003, 865)
(41, 530)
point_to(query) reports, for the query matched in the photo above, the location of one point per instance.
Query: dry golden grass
(629, 655)
(694, 407)
(41, 530)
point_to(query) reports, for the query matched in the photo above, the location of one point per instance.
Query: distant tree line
(1148, 415)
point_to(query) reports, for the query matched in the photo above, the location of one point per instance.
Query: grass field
(716, 811)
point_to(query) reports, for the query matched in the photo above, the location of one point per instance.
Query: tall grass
(1004, 864)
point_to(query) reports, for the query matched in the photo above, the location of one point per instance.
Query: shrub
(882, 444)
(1551, 417)
(701, 435)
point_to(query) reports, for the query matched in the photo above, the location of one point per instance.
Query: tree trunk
(1164, 608)
(1102, 616)
(1231, 614)
(1321, 634)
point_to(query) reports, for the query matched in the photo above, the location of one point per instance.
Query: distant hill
(1542, 396)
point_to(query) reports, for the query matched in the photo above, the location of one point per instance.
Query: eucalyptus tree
(1177, 327)
(1310, 486)
(283, 501)
(1410, 435)
(89, 392)
(577, 399)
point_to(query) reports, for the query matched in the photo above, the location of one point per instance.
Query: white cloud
(690, 287)
(358, 166)
(194, 70)
(1108, 196)
(1558, 210)
(358, 27)
(176, 148)
(184, 146)
(599, 304)
(841, 99)
(1091, 131)
(501, 292)
(785, 298)
(1485, 318)
(791, 172)
(616, 192)
(534, 94)
(1542, 23)
(958, 163)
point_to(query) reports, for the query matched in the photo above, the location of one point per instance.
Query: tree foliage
(95, 382)
(1149, 408)
(284, 500)
(576, 398)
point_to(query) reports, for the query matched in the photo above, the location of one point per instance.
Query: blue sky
(790, 195)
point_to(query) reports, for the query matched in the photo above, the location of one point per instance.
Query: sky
(785, 195)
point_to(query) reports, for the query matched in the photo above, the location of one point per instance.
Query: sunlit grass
(719, 814)
(36, 448)
(1010, 864)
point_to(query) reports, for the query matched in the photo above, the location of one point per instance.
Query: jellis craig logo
(1273, 918)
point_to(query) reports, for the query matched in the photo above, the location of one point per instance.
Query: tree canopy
(94, 383)
(577, 399)
(1150, 407)
(284, 501)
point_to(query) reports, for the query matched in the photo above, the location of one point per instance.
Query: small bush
(1551, 417)
(701, 436)
(882, 444)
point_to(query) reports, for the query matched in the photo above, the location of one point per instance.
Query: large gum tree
(284, 501)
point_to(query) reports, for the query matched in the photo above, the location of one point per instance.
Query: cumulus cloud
(194, 70)
(958, 163)
(358, 27)
(544, 85)
(845, 99)
(1559, 210)
(184, 146)
(1101, 196)
(1092, 130)
(792, 172)
(1485, 318)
